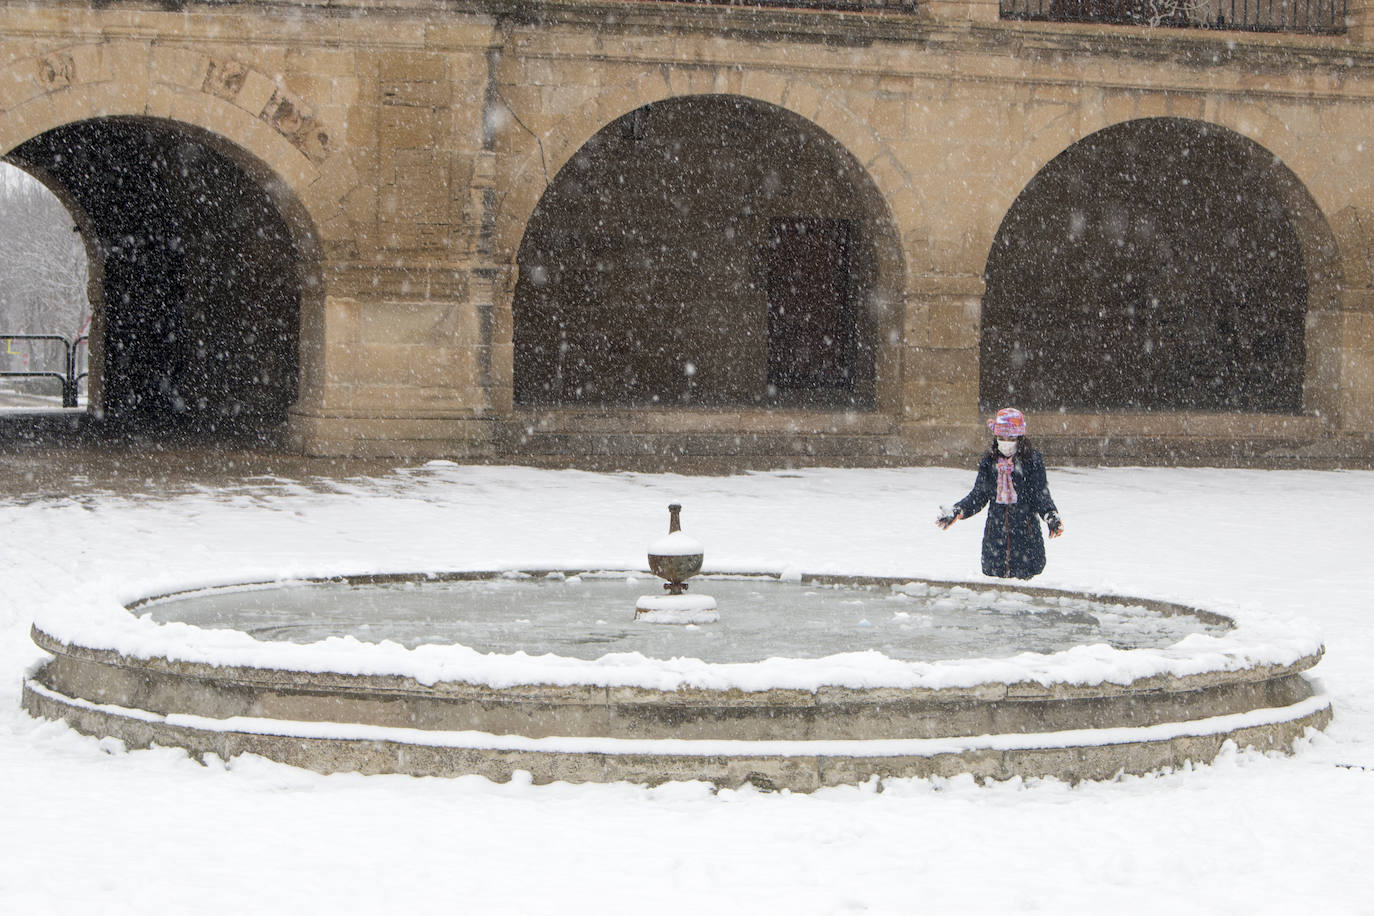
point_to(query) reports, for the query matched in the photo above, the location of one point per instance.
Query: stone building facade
(604, 231)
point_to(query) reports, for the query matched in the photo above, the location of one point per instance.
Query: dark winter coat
(1013, 546)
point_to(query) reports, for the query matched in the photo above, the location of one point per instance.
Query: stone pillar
(1321, 384)
(1355, 333)
(402, 348)
(398, 366)
(1340, 331)
(940, 368)
(1359, 21)
(963, 10)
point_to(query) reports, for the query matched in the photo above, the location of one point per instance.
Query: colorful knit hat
(1009, 423)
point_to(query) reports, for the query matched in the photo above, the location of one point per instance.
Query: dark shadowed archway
(706, 251)
(1159, 264)
(199, 278)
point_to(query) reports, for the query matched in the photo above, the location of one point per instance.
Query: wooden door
(811, 326)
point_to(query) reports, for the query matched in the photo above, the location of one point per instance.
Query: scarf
(1006, 493)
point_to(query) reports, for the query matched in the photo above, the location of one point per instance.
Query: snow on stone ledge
(94, 616)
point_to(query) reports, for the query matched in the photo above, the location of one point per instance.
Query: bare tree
(43, 271)
(1175, 11)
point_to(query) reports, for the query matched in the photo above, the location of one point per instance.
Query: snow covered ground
(88, 827)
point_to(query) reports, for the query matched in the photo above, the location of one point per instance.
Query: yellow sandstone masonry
(369, 132)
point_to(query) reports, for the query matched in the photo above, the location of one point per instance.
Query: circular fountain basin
(801, 684)
(588, 615)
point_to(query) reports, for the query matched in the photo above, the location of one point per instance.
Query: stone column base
(364, 434)
(944, 443)
(959, 10)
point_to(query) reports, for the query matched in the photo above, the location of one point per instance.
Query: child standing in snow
(1011, 481)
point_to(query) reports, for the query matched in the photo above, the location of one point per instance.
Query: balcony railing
(1322, 17)
(844, 6)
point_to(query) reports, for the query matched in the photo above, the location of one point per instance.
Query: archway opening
(197, 279)
(1159, 265)
(45, 310)
(706, 251)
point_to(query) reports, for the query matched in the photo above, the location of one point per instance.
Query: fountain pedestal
(676, 557)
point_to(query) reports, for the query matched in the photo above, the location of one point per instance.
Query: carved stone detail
(295, 122)
(57, 71)
(225, 78)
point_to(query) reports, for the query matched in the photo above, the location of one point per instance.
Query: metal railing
(69, 377)
(1322, 17)
(844, 6)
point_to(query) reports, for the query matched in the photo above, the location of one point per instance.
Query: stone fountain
(810, 682)
(676, 557)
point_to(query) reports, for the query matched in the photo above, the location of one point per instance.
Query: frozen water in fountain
(584, 616)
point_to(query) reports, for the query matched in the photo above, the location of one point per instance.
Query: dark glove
(1055, 523)
(947, 517)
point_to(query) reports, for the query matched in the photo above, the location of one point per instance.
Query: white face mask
(1006, 448)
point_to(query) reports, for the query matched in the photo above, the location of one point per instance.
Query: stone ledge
(1191, 424)
(711, 420)
(1332, 451)
(538, 711)
(799, 772)
(438, 433)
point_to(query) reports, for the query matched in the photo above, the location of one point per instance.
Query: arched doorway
(45, 309)
(1159, 265)
(706, 251)
(199, 280)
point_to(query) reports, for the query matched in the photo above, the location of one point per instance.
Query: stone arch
(870, 244)
(268, 131)
(533, 170)
(1269, 323)
(1054, 136)
(234, 110)
(198, 282)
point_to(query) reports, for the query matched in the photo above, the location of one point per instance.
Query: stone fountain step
(800, 766)
(782, 738)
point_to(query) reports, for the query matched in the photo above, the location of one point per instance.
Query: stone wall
(408, 146)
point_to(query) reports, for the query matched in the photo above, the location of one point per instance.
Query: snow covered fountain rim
(125, 628)
(339, 704)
